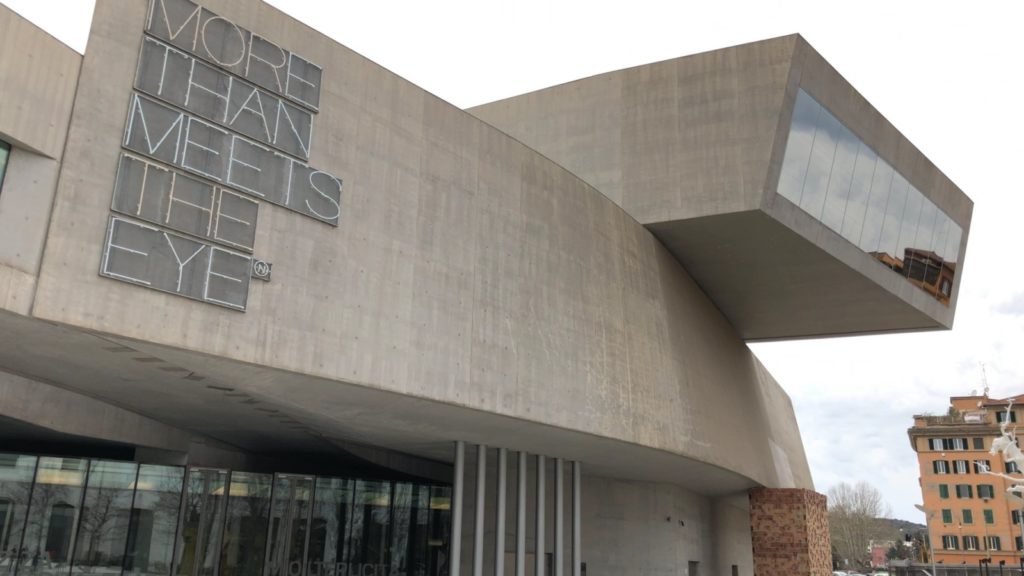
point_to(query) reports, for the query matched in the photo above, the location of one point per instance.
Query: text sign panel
(150, 192)
(180, 79)
(217, 40)
(151, 257)
(177, 138)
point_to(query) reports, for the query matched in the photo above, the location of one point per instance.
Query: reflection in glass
(369, 544)
(199, 544)
(860, 191)
(330, 527)
(103, 528)
(74, 517)
(289, 522)
(53, 516)
(154, 520)
(16, 474)
(248, 516)
(823, 153)
(836, 178)
(881, 184)
(840, 178)
(401, 512)
(5, 152)
(798, 147)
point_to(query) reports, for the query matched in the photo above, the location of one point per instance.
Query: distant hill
(904, 525)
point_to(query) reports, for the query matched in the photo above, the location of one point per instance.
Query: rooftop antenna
(984, 378)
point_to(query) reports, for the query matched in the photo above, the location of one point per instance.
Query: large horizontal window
(836, 178)
(79, 517)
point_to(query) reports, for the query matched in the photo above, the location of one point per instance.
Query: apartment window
(949, 542)
(982, 466)
(947, 516)
(979, 443)
(968, 516)
(940, 467)
(1002, 414)
(960, 467)
(955, 443)
(5, 152)
(1018, 543)
(943, 491)
(1015, 516)
(1012, 468)
(970, 542)
(964, 491)
(992, 543)
(989, 518)
(985, 491)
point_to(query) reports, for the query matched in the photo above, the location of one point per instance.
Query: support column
(789, 532)
(499, 522)
(558, 556)
(538, 559)
(521, 516)
(455, 556)
(478, 526)
(577, 551)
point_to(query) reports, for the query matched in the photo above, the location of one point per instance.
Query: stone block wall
(789, 532)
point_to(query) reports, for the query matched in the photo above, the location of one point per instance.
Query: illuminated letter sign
(221, 118)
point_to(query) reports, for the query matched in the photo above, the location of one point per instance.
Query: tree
(855, 518)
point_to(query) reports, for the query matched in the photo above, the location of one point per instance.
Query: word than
(180, 202)
(181, 80)
(220, 41)
(164, 261)
(185, 141)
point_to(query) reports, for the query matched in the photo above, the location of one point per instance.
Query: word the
(180, 202)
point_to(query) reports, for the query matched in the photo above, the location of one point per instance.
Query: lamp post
(928, 514)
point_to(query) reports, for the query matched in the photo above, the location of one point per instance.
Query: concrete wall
(38, 76)
(628, 527)
(467, 270)
(678, 139)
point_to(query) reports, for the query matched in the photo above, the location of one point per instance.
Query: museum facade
(268, 309)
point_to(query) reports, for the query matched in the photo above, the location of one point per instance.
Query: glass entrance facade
(63, 516)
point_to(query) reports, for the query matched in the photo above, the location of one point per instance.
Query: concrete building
(970, 515)
(267, 308)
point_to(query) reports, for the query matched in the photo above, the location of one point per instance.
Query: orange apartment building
(970, 517)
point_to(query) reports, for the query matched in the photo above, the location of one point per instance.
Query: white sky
(947, 74)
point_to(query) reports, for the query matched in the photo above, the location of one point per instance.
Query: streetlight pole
(928, 514)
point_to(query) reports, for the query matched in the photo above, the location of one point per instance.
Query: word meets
(181, 80)
(216, 39)
(161, 260)
(179, 139)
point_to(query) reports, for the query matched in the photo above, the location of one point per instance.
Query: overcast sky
(948, 75)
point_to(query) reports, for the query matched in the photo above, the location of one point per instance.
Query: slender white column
(538, 559)
(521, 516)
(499, 522)
(478, 526)
(456, 538)
(577, 552)
(558, 554)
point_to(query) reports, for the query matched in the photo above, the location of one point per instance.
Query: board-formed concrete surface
(466, 288)
(692, 148)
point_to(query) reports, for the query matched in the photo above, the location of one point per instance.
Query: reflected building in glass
(269, 309)
(110, 517)
(840, 181)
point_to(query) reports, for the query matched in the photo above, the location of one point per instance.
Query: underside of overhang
(265, 411)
